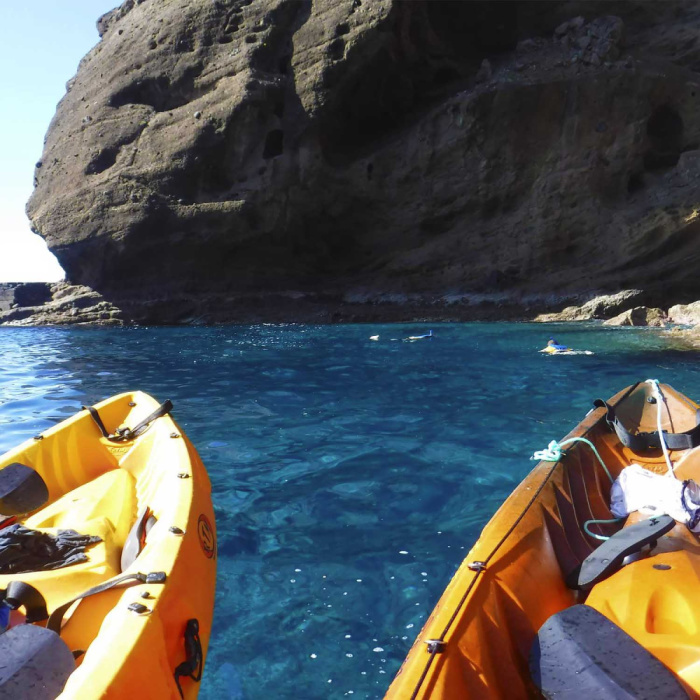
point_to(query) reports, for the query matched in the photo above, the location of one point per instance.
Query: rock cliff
(228, 159)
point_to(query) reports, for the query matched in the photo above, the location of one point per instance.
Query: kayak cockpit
(103, 508)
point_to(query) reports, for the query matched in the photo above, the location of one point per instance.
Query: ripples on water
(350, 477)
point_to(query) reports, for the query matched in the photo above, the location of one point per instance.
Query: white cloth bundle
(655, 494)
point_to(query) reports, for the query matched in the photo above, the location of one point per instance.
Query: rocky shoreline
(62, 303)
(55, 303)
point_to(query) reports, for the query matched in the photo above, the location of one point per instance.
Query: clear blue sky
(41, 44)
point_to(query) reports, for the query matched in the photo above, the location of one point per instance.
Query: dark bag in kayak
(23, 550)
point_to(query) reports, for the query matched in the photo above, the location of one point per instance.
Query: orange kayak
(560, 598)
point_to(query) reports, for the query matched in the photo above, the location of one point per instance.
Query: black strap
(18, 594)
(96, 417)
(191, 667)
(142, 426)
(638, 442)
(125, 434)
(56, 616)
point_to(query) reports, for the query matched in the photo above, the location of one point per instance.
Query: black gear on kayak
(608, 662)
(639, 442)
(20, 594)
(606, 559)
(22, 489)
(36, 663)
(125, 434)
(23, 550)
(191, 667)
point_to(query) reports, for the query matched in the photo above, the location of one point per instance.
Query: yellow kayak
(128, 613)
(585, 582)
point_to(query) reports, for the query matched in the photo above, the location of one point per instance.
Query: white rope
(656, 393)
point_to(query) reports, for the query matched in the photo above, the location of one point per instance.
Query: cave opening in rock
(274, 144)
(105, 159)
(635, 183)
(160, 92)
(153, 92)
(665, 132)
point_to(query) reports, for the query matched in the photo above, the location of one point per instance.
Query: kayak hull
(519, 572)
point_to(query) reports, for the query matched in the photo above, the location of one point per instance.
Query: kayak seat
(606, 559)
(36, 663)
(104, 507)
(608, 663)
(22, 489)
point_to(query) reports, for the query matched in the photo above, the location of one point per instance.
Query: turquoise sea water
(350, 476)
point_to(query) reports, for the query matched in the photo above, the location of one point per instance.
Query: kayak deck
(523, 569)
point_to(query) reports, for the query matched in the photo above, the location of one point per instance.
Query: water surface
(350, 476)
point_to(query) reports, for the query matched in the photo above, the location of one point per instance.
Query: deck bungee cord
(124, 434)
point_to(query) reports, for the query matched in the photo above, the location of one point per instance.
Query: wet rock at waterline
(639, 316)
(687, 314)
(61, 303)
(599, 307)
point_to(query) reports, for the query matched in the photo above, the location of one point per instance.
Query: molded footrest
(608, 558)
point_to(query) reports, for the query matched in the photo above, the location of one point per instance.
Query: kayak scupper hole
(661, 567)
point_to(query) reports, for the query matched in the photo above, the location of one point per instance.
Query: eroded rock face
(639, 316)
(250, 151)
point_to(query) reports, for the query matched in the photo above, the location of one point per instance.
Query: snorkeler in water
(554, 347)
